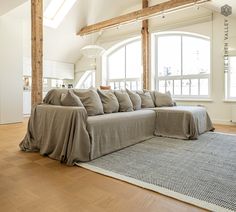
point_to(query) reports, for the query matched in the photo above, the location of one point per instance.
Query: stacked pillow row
(100, 102)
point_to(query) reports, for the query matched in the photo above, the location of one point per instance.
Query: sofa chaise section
(183, 122)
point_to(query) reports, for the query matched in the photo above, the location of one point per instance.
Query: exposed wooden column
(145, 50)
(37, 50)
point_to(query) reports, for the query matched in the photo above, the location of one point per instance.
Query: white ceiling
(7, 5)
(62, 44)
(217, 4)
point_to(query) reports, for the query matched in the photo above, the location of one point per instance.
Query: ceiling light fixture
(92, 51)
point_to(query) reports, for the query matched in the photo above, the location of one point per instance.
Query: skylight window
(56, 12)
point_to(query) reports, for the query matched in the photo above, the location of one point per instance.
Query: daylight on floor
(126, 106)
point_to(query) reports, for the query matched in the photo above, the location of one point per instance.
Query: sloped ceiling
(7, 5)
(62, 44)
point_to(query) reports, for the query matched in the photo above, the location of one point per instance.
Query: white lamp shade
(92, 51)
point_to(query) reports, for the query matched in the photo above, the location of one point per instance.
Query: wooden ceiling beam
(142, 14)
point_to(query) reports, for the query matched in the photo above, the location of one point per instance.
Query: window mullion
(199, 86)
(181, 43)
(156, 63)
(228, 81)
(125, 65)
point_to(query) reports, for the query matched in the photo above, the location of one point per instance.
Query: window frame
(114, 49)
(182, 77)
(228, 82)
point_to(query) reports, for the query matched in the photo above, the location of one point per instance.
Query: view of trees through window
(183, 65)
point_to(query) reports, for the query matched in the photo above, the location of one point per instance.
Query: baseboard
(223, 122)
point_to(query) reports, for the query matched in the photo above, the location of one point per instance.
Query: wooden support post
(37, 51)
(145, 50)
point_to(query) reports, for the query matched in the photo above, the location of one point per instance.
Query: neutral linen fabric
(125, 104)
(111, 132)
(70, 99)
(146, 99)
(203, 169)
(91, 101)
(152, 93)
(135, 99)
(163, 99)
(53, 96)
(184, 122)
(59, 132)
(109, 101)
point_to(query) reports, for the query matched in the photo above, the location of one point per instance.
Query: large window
(183, 65)
(231, 78)
(124, 66)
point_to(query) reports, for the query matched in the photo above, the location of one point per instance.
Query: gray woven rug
(201, 172)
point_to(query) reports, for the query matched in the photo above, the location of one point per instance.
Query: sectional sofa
(82, 125)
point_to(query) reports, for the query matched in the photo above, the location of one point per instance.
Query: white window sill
(192, 100)
(229, 100)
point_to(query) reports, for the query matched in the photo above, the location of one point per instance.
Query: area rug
(200, 172)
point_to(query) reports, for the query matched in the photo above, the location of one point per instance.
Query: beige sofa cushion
(135, 99)
(53, 96)
(163, 99)
(70, 99)
(91, 101)
(109, 101)
(146, 99)
(125, 104)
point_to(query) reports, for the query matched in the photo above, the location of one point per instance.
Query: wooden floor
(30, 182)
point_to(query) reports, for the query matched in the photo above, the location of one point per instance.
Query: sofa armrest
(61, 109)
(59, 132)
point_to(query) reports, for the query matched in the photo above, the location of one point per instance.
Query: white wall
(11, 66)
(51, 69)
(203, 22)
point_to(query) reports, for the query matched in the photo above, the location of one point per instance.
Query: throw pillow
(146, 99)
(53, 97)
(125, 104)
(135, 99)
(91, 101)
(105, 87)
(152, 93)
(163, 99)
(70, 99)
(109, 101)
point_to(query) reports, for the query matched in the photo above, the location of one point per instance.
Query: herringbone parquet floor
(30, 182)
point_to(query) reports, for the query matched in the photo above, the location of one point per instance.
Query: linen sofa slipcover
(68, 134)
